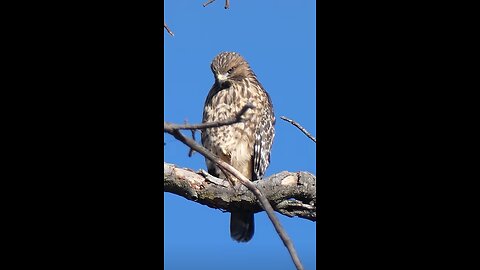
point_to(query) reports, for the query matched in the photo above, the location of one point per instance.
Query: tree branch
(227, 3)
(299, 127)
(290, 193)
(169, 128)
(168, 29)
(238, 118)
(208, 3)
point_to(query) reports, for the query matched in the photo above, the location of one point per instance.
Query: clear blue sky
(278, 39)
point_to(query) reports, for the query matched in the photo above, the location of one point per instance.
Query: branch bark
(175, 132)
(290, 193)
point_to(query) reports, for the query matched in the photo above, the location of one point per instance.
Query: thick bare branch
(299, 127)
(289, 193)
(169, 128)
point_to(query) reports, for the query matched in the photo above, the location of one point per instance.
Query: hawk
(246, 145)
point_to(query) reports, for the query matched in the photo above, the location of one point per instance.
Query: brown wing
(263, 142)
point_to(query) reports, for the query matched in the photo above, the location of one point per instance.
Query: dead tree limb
(237, 119)
(290, 193)
(193, 127)
(175, 132)
(299, 127)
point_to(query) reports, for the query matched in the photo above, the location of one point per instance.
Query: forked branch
(174, 130)
(227, 3)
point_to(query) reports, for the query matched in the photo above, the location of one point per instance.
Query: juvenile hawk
(246, 145)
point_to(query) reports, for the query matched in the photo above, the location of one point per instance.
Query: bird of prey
(245, 145)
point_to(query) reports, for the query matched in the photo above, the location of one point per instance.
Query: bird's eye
(230, 71)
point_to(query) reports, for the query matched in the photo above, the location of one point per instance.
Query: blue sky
(278, 39)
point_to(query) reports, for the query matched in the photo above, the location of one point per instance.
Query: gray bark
(289, 193)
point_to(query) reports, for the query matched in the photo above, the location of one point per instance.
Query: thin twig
(227, 3)
(190, 153)
(208, 3)
(299, 127)
(168, 29)
(169, 128)
(238, 118)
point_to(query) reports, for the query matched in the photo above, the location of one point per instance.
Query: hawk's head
(228, 67)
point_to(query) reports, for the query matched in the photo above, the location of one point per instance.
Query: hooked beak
(221, 77)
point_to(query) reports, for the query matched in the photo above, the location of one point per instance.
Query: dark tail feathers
(242, 226)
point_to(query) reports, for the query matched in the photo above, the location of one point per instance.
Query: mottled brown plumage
(246, 145)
